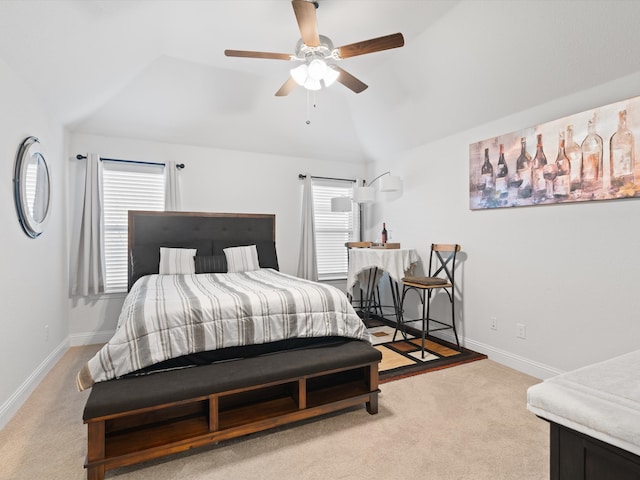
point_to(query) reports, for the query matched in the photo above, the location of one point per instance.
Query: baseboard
(90, 338)
(15, 401)
(511, 360)
(522, 364)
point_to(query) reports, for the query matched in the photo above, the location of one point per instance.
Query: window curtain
(172, 187)
(87, 259)
(307, 264)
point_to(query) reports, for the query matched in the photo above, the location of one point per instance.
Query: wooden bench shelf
(129, 437)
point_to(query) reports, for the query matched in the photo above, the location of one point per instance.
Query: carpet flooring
(403, 357)
(464, 423)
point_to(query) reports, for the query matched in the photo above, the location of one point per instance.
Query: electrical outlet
(493, 323)
(522, 330)
(46, 332)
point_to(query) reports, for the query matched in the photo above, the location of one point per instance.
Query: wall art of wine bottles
(593, 155)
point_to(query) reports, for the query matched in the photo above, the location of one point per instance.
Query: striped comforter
(167, 316)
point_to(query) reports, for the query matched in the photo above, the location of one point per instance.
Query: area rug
(403, 358)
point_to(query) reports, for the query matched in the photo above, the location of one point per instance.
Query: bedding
(144, 259)
(168, 316)
(177, 260)
(267, 256)
(242, 259)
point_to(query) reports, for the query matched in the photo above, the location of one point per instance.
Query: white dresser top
(601, 400)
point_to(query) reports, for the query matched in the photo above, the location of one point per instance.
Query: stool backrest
(442, 260)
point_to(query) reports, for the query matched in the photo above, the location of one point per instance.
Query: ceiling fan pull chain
(308, 109)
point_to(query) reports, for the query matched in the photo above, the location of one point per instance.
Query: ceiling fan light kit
(310, 76)
(318, 54)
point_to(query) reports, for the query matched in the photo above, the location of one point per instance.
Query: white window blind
(333, 229)
(126, 186)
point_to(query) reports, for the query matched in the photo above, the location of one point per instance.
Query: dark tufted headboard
(210, 233)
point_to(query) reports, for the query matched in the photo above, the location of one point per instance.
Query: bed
(213, 342)
(594, 413)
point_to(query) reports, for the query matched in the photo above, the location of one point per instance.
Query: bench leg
(95, 449)
(372, 404)
(95, 473)
(372, 372)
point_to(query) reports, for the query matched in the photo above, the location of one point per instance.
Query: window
(125, 186)
(333, 229)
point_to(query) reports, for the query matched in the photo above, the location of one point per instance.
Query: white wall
(567, 272)
(34, 271)
(213, 181)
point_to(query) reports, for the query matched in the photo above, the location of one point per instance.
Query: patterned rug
(403, 357)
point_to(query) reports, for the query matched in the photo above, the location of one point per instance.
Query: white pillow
(242, 259)
(177, 260)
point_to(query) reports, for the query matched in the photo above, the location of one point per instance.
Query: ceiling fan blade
(249, 54)
(370, 46)
(286, 88)
(350, 81)
(307, 22)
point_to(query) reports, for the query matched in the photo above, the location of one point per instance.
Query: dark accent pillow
(267, 256)
(211, 263)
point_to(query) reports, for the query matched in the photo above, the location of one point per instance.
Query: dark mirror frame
(39, 187)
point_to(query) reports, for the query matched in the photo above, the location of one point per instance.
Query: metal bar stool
(441, 276)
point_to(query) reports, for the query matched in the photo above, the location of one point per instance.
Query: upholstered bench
(134, 419)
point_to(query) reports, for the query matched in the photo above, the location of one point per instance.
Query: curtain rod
(302, 176)
(179, 166)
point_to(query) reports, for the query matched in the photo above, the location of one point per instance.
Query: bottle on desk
(384, 233)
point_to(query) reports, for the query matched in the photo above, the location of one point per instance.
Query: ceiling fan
(318, 54)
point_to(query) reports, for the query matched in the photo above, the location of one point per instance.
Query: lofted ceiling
(156, 70)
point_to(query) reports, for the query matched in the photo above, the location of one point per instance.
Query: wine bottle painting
(593, 155)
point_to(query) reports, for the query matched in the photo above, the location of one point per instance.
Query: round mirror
(31, 187)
